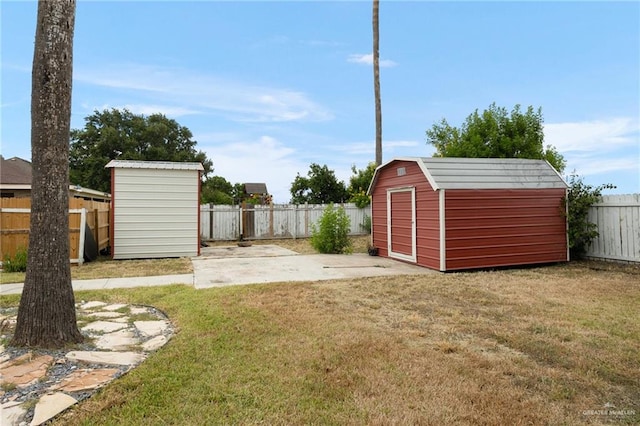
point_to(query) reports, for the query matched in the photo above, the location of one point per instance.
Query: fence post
(306, 219)
(295, 221)
(240, 209)
(211, 221)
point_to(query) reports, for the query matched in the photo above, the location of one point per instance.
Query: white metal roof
(484, 173)
(160, 165)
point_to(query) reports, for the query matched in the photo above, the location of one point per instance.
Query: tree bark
(47, 316)
(376, 82)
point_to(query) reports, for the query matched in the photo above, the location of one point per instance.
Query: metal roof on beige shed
(484, 173)
(160, 165)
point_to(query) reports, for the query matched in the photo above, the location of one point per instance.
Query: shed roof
(484, 173)
(160, 165)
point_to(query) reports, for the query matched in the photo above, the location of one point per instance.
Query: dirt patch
(299, 245)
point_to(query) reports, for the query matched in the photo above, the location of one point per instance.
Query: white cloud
(604, 149)
(359, 148)
(148, 109)
(185, 91)
(595, 135)
(594, 166)
(264, 159)
(367, 59)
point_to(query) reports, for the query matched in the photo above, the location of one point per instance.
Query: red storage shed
(464, 213)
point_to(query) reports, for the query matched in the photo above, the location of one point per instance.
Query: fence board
(618, 221)
(15, 217)
(270, 221)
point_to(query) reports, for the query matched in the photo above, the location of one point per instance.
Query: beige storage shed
(155, 209)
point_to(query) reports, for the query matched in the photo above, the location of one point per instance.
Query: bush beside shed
(155, 209)
(465, 213)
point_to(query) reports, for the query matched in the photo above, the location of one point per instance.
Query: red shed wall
(487, 228)
(427, 219)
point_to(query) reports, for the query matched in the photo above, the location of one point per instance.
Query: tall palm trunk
(376, 82)
(47, 316)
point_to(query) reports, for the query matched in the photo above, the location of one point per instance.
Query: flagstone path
(37, 385)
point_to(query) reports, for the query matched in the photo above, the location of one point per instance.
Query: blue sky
(267, 88)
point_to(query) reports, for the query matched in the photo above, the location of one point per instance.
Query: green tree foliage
(495, 133)
(332, 233)
(217, 190)
(319, 187)
(115, 134)
(359, 184)
(581, 231)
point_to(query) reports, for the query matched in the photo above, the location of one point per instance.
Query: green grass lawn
(548, 345)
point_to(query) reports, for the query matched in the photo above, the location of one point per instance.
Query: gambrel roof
(483, 173)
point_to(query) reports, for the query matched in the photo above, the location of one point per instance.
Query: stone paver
(11, 413)
(105, 314)
(104, 357)
(117, 341)
(117, 345)
(25, 370)
(114, 307)
(151, 328)
(3, 357)
(86, 379)
(104, 326)
(153, 344)
(91, 305)
(50, 405)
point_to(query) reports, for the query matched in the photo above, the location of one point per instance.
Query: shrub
(581, 231)
(360, 199)
(17, 263)
(366, 223)
(332, 233)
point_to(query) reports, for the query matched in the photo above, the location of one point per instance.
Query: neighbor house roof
(255, 188)
(483, 173)
(161, 165)
(15, 174)
(15, 171)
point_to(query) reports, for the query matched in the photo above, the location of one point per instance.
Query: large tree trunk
(47, 316)
(376, 82)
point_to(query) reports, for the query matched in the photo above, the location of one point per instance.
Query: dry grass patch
(105, 267)
(546, 345)
(132, 268)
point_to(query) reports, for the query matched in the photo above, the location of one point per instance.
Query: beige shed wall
(155, 213)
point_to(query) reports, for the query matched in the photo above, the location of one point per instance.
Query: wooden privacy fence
(224, 222)
(15, 215)
(618, 220)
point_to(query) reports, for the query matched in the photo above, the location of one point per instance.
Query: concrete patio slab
(221, 272)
